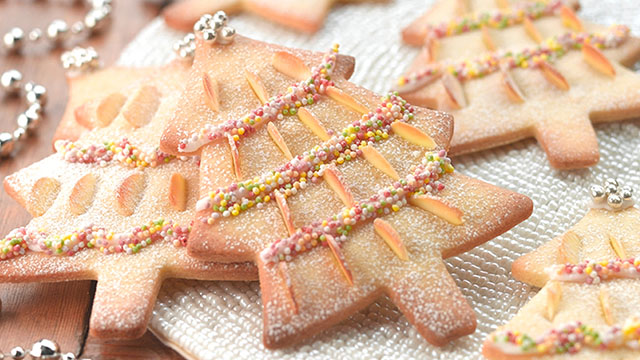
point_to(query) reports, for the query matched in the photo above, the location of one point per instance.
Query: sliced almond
(290, 65)
(212, 97)
(391, 237)
(142, 106)
(279, 140)
(487, 39)
(235, 157)
(283, 270)
(430, 48)
(257, 86)
(532, 30)
(284, 211)
(313, 124)
(453, 89)
(129, 193)
(82, 194)
(438, 208)
(594, 57)
(570, 19)
(554, 295)
(332, 177)
(340, 260)
(102, 112)
(617, 247)
(570, 245)
(605, 304)
(345, 99)
(43, 193)
(513, 91)
(178, 192)
(413, 135)
(376, 159)
(553, 76)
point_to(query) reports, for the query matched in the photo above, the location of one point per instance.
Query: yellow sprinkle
(267, 198)
(241, 131)
(395, 207)
(236, 138)
(235, 212)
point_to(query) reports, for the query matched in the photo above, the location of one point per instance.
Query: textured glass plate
(223, 320)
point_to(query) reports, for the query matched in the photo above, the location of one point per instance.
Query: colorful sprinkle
(308, 167)
(570, 338)
(122, 152)
(298, 95)
(593, 272)
(424, 179)
(551, 50)
(20, 240)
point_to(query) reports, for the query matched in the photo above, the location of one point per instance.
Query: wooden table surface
(58, 311)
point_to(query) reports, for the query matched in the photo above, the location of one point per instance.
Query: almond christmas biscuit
(302, 15)
(339, 195)
(111, 207)
(588, 306)
(537, 72)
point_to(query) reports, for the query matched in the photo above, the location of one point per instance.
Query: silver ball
(626, 193)
(28, 120)
(199, 25)
(209, 35)
(216, 24)
(45, 349)
(58, 30)
(68, 356)
(37, 95)
(19, 133)
(11, 80)
(597, 192)
(18, 352)
(615, 201)
(611, 181)
(35, 107)
(220, 16)
(227, 34)
(6, 147)
(98, 3)
(97, 19)
(611, 188)
(14, 39)
(77, 27)
(35, 34)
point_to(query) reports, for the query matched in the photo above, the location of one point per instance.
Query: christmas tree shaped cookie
(588, 306)
(533, 70)
(303, 15)
(339, 195)
(111, 207)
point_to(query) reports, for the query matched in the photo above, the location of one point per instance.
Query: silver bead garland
(78, 59)
(611, 195)
(58, 31)
(212, 29)
(36, 98)
(42, 349)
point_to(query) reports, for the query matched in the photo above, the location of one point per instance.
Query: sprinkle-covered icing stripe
(298, 95)
(570, 338)
(101, 154)
(551, 50)
(295, 175)
(423, 180)
(593, 272)
(21, 240)
(498, 18)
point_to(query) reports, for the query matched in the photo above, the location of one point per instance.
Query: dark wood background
(58, 311)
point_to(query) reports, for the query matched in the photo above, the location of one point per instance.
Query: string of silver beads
(41, 349)
(58, 31)
(612, 194)
(36, 98)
